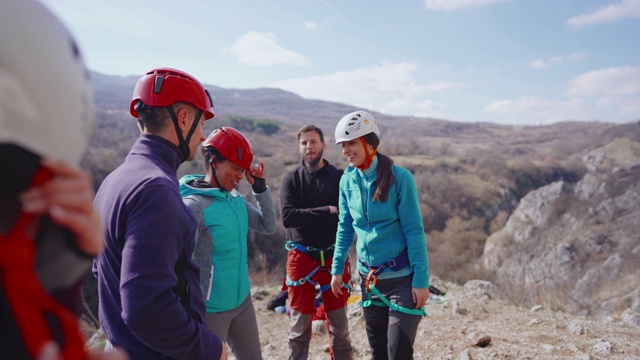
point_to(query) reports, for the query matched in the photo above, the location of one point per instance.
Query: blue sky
(501, 61)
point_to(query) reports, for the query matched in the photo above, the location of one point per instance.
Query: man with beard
(309, 200)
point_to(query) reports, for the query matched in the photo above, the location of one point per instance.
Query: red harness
(29, 302)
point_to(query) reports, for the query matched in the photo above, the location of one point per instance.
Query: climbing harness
(385, 302)
(393, 264)
(291, 246)
(31, 305)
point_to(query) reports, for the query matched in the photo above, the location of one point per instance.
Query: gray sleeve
(263, 218)
(204, 242)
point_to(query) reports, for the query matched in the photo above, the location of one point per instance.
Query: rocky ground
(471, 324)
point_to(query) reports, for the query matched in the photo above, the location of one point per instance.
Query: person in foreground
(309, 199)
(224, 217)
(150, 301)
(48, 228)
(379, 203)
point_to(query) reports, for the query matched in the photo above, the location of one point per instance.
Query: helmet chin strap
(368, 156)
(213, 173)
(183, 143)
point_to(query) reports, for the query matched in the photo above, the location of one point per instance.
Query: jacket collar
(369, 173)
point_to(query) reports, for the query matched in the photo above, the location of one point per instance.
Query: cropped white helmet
(45, 96)
(355, 125)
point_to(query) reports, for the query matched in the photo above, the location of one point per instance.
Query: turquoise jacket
(221, 240)
(383, 229)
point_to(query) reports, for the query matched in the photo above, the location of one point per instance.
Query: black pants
(391, 333)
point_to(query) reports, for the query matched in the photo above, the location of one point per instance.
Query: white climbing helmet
(355, 125)
(45, 95)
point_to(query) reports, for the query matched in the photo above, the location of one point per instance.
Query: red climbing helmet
(232, 145)
(165, 86)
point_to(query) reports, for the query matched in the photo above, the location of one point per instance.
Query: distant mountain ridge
(111, 92)
(518, 186)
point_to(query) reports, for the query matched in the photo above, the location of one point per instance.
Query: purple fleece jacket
(149, 234)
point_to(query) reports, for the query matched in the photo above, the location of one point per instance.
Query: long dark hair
(384, 174)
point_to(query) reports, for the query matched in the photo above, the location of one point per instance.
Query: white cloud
(310, 25)
(608, 14)
(262, 49)
(531, 109)
(389, 87)
(623, 80)
(617, 89)
(420, 108)
(538, 64)
(449, 5)
(626, 105)
(443, 86)
(543, 64)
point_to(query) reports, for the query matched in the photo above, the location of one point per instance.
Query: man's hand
(68, 200)
(225, 351)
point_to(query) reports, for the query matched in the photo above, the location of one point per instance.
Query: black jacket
(305, 198)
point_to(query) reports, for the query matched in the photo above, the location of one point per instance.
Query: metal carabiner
(375, 279)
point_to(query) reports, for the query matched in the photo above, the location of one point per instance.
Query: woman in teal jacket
(379, 204)
(224, 217)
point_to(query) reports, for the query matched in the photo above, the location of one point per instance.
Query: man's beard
(313, 164)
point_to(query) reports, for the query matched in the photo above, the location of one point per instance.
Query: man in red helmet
(148, 285)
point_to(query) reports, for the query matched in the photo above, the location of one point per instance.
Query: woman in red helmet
(224, 217)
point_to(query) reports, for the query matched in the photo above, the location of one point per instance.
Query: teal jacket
(383, 229)
(221, 239)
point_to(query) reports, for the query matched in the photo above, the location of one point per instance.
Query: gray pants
(239, 328)
(338, 328)
(391, 333)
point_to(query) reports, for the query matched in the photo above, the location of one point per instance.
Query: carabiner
(375, 279)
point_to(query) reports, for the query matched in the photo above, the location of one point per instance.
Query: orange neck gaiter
(368, 156)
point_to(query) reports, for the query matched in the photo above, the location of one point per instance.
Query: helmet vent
(158, 84)
(354, 124)
(239, 153)
(75, 49)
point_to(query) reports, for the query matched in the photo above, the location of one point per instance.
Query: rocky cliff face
(577, 247)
